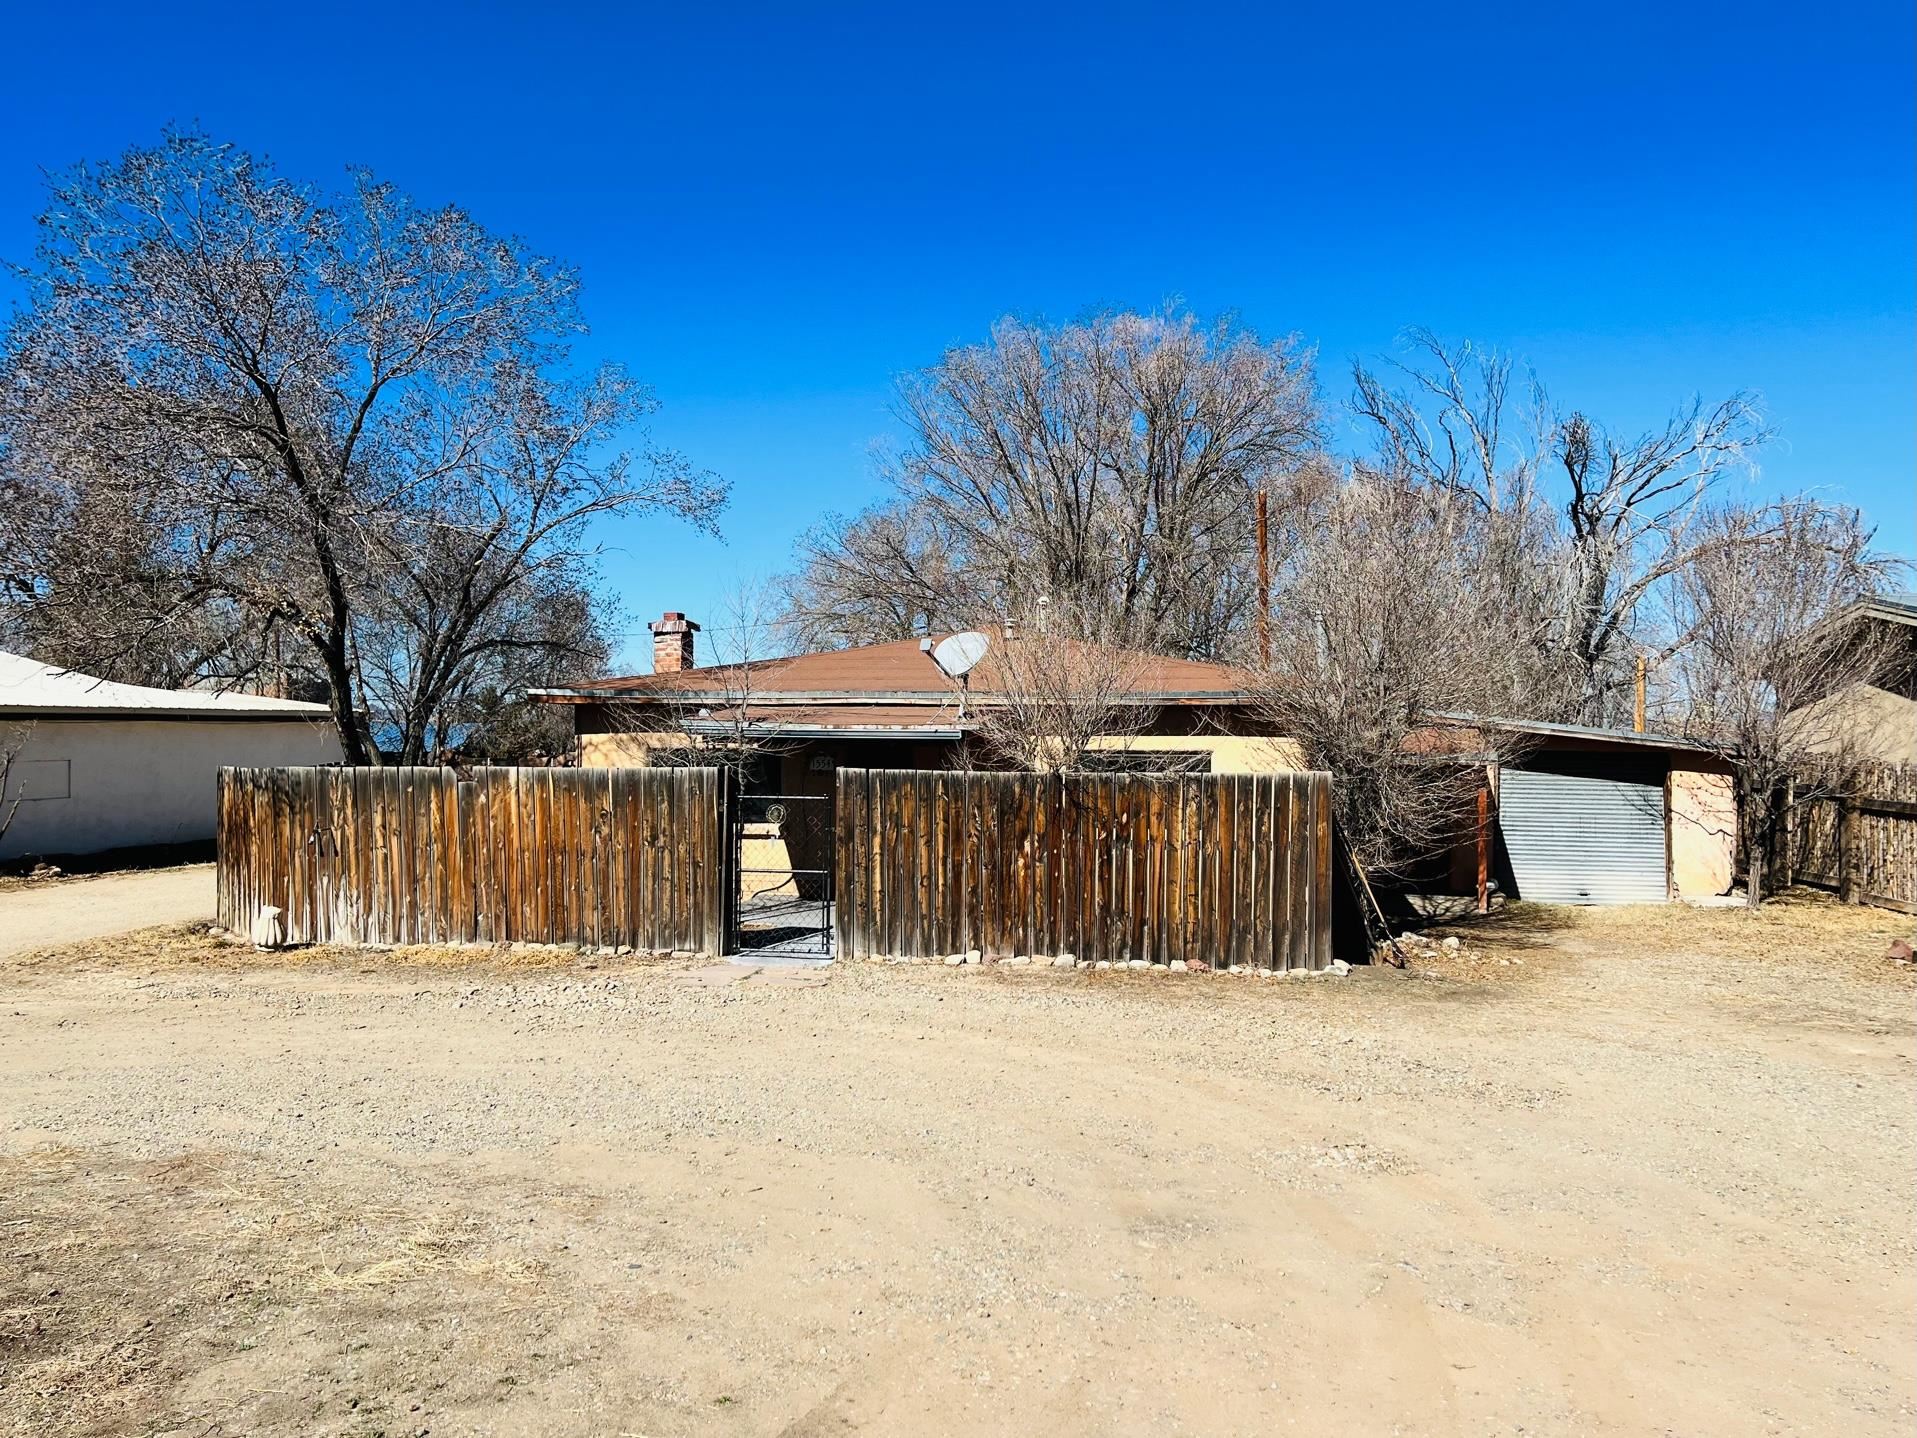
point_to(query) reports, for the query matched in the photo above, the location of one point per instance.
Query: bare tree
(1381, 623)
(1109, 464)
(555, 638)
(1050, 689)
(320, 412)
(1774, 651)
(1588, 531)
(13, 743)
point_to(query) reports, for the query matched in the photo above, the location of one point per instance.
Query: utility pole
(1637, 719)
(1264, 584)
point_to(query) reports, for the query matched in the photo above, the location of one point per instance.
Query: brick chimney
(672, 643)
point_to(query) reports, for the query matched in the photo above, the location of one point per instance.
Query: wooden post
(1637, 718)
(1484, 847)
(1787, 860)
(1847, 827)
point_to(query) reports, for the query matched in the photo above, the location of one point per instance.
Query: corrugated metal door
(1585, 838)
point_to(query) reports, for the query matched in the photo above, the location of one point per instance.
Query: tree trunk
(1758, 809)
(339, 677)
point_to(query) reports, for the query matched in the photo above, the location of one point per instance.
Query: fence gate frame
(781, 910)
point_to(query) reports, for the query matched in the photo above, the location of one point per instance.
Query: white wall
(134, 781)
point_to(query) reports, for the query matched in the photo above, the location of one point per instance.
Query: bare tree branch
(1110, 465)
(336, 422)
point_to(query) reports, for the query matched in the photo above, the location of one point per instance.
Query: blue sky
(778, 209)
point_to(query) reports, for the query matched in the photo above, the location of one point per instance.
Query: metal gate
(1586, 838)
(782, 854)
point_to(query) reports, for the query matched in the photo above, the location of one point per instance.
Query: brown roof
(906, 719)
(895, 673)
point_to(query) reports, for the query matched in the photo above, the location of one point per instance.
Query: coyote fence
(421, 856)
(1863, 845)
(1214, 870)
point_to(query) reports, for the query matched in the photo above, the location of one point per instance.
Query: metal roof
(1626, 737)
(1894, 608)
(29, 688)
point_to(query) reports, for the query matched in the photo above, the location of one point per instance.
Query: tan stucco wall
(1873, 723)
(625, 751)
(1703, 822)
(1230, 753)
(131, 782)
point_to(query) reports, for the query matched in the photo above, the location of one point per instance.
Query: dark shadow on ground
(145, 856)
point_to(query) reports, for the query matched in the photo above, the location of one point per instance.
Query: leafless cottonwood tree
(1050, 689)
(1382, 621)
(1110, 464)
(13, 743)
(313, 415)
(1588, 531)
(1773, 650)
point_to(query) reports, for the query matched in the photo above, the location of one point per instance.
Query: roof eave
(1627, 738)
(714, 727)
(856, 696)
(319, 714)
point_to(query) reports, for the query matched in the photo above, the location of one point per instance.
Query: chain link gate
(783, 856)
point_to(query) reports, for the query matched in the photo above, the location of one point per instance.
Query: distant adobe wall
(1703, 828)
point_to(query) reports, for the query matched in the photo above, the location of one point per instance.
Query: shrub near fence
(420, 856)
(1215, 870)
(1863, 845)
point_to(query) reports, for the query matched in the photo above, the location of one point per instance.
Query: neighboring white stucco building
(99, 765)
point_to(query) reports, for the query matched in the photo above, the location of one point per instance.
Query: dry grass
(201, 946)
(1802, 928)
(94, 1329)
(343, 1205)
(10, 883)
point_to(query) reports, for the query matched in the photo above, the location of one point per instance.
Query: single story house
(1877, 722)
(91, 765)
(1588, 816)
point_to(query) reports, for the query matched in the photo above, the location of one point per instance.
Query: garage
(1586, 829)
(88, 766)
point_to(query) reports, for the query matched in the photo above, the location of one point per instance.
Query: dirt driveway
(1621, 1187)
(34, 916)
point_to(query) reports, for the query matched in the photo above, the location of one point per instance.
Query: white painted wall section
(130, 782)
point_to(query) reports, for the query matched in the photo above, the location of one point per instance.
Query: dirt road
(66, 911)
(1607, 1191)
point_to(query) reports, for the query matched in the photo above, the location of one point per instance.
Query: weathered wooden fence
(1214, 870)
(421, 856)
(1863, 845)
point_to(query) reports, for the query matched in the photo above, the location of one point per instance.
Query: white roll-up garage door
(1584, 838)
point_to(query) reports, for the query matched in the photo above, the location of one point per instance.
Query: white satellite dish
(959, 654)
(956, 655)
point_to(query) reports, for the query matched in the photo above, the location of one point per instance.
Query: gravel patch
(1598, 1193)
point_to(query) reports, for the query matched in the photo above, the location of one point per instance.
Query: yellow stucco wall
(623, 751)
(1230, 753)
(1703, 820)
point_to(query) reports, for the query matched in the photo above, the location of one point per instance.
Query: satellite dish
(958, 654)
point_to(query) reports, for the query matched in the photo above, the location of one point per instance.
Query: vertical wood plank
(1297, 871)
(1321, 872)
(1258, 865)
